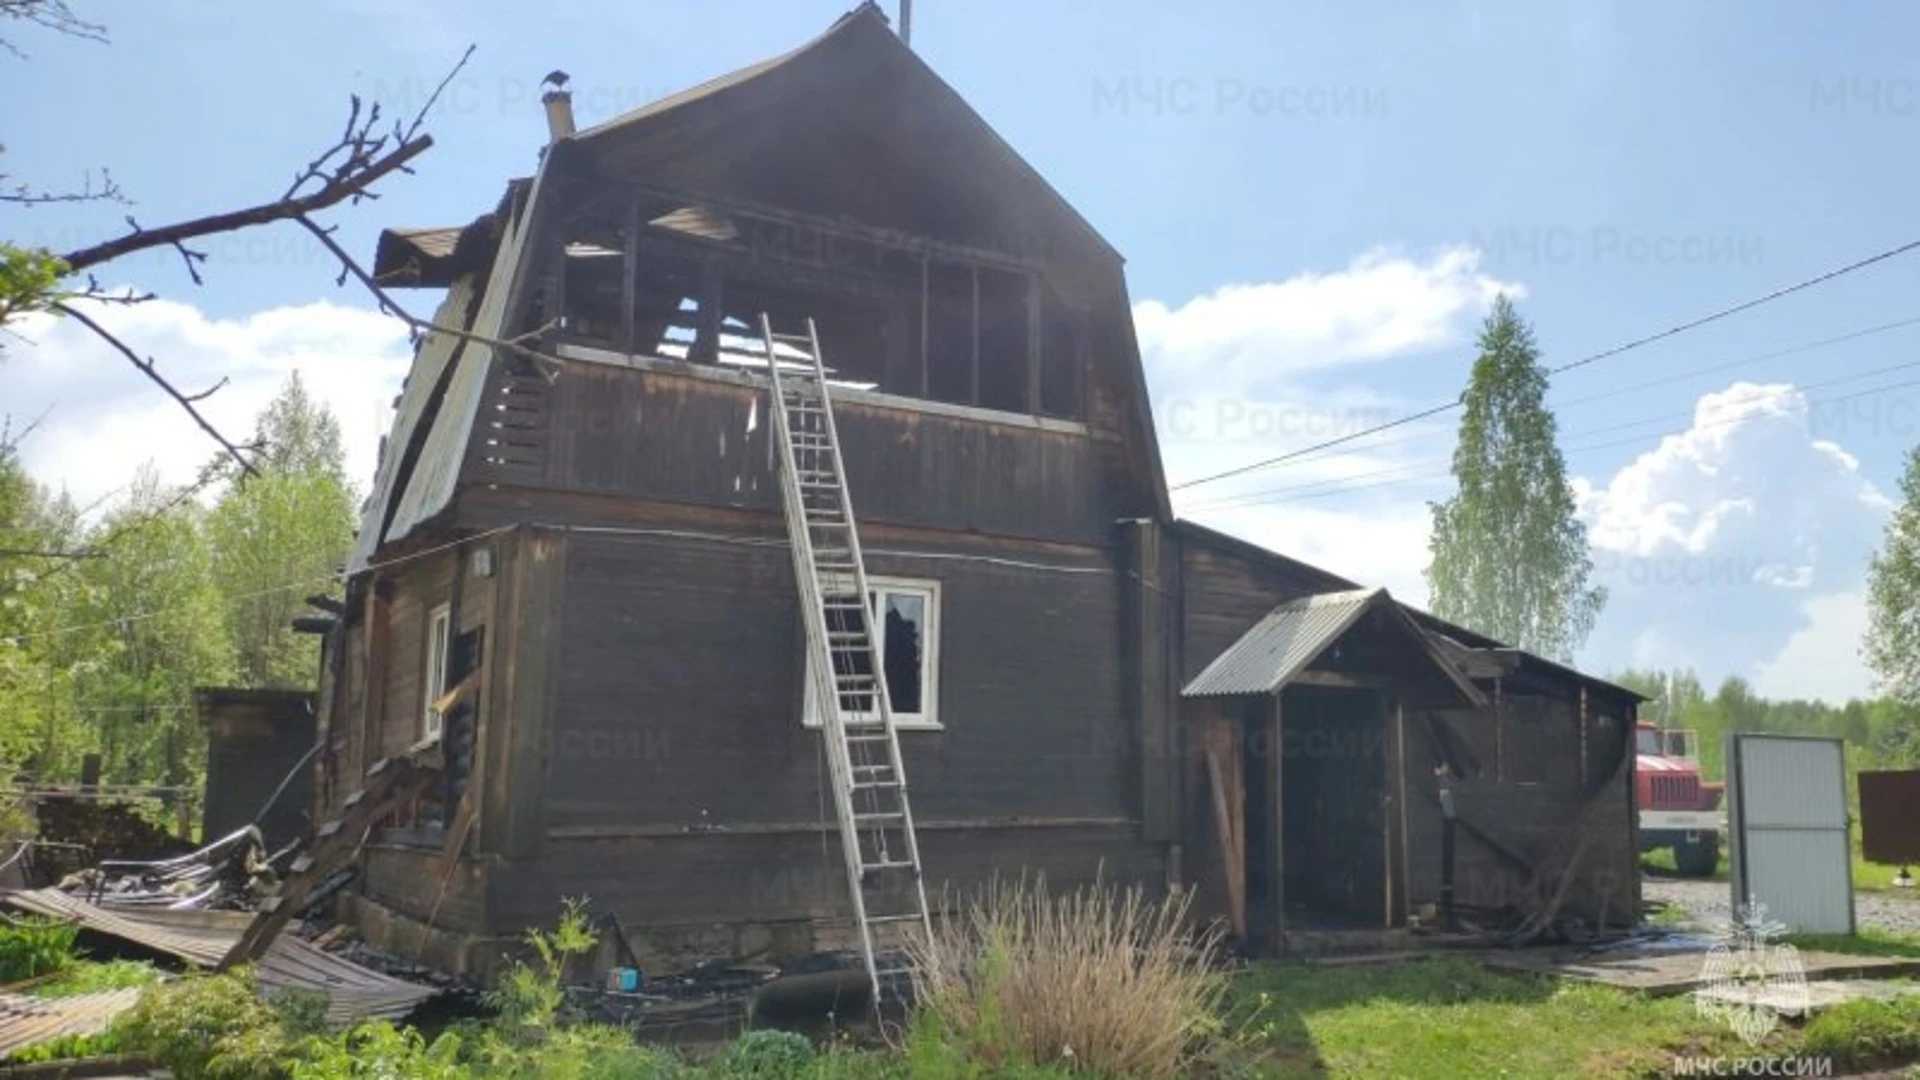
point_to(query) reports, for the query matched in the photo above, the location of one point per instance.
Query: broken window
(906, 617)
(434, 677)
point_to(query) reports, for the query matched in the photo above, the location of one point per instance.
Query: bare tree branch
(108, 191)
(349, 267)
(333, 192)
(52, 15)
(147, 368)
(39, 553)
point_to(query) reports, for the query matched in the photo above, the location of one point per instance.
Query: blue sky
(1341, 187)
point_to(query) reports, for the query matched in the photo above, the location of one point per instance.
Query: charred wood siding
(407, 880)
(679, 691)
(1224, 595)
(255, 739)
(1539, 816)
(704, 440)
(701, 882)
(418, 587)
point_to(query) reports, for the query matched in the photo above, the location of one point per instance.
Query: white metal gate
(1788, 819)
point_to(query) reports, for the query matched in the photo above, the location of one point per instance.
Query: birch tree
(1510, 559)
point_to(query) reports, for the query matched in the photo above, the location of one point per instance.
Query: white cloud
(1382, 305)
(1737, 547)
(1822, 659)
(1254, 371)
(103, 419)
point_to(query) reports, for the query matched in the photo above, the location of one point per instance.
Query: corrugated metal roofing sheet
(429, 360)
(1283, 643)
(436, 476)
(203, 938)
(29, 1021)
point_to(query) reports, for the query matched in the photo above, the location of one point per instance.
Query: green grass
(1870, 941)
(1448, 1016)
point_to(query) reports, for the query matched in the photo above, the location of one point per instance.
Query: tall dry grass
(1098, 980)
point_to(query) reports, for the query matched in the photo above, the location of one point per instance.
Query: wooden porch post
(1276, 842)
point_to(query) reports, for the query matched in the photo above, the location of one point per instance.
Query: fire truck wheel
(1697, 858)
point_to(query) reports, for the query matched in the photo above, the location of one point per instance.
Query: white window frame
(439, 652)
(928, 718)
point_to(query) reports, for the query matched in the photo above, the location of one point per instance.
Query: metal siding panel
(437, 474)
(428, 360)
(1793, 874)
(1793, 784)
(1791, 847)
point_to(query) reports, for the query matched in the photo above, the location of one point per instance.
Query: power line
(1230, 503)
(1253, 496)
(22, 639)
(1683, 376)
(1648, 339)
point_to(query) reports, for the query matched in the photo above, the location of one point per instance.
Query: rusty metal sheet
(28, 1021)
(203, 938)
(1890, 817)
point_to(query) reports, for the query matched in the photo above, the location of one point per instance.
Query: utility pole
(906, 22)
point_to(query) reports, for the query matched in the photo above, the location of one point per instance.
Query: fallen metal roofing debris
(202, 938)
(27, 1021)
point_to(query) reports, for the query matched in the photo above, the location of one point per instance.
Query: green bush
(596, 1052)
(767, 1055)
(30, 948)
(378, 1050)
(66, 1048)
(207, 1027)
(88, 977)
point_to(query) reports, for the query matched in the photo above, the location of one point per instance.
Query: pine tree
(1510, 559)
(1893, 595)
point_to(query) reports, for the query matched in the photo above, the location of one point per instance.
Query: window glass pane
(905, 637)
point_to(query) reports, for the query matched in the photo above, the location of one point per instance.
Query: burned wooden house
(577, 570)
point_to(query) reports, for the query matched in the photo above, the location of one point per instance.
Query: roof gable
(852, 124)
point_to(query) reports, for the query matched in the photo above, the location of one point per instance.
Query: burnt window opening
(690, 284)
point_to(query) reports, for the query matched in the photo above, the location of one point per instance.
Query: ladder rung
(876, 785)
(882, 816)
(889, 864)
(881, 920)
(866, 738)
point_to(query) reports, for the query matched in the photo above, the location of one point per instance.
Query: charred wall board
(408, 880)
(1224, 595)
(1538, 821)
(718, 878)
(256, 739)
(679, 689)
(418, 586)
(705, 440)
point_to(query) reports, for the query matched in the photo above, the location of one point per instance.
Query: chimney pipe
(559, 104)
(906, 23)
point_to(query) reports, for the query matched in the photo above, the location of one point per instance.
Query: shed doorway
(1333, 807)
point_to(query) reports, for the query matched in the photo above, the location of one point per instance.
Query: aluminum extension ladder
(847, 682)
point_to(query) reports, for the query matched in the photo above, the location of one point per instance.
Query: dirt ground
(1709, 903)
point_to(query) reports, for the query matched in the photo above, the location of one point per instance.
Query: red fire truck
(1677, 810)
